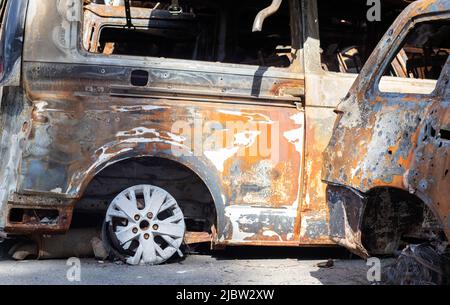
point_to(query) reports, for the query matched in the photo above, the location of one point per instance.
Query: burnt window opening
(422, 55)
(211, 31)
(347, 38)
(424, 52)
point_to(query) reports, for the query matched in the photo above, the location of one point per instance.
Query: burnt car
(175, 122)
(387, 164)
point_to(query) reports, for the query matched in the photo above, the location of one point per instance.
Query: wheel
(144, 224)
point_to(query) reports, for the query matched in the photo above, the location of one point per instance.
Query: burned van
(387, 164)
(176, 122)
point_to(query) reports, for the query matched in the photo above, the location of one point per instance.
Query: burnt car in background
(387, 164)
(176, 122)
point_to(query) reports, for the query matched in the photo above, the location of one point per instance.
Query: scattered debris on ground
(76, 243)
(328, 264)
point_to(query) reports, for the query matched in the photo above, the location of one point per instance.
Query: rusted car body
(240, 144)
(388, 160)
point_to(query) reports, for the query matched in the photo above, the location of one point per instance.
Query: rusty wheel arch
(392, 214)
(192, 164)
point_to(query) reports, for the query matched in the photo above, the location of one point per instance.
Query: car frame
(72, 120)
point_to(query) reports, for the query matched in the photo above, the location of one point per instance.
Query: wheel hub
(146, 221)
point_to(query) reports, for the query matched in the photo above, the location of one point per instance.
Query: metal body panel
(107, 129)
(87, 116)
(81, 114)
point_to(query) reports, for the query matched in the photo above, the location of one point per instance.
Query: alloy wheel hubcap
(146, 223)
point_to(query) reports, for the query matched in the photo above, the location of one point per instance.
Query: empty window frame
(421, 58)
(347, 38)
(202, 30)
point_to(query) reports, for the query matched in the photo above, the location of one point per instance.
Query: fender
(201, 166)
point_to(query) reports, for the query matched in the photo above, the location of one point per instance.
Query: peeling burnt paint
(428, 175)
(84, 115)
(15, 114)
(271, 226)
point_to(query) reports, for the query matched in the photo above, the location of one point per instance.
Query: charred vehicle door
(388, 160)
(338, 40)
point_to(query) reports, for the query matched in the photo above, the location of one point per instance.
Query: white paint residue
(141, 131)
(295, 137)
(103, 158)
(298, 118)
(271, 234)
(230, 112)
(238, 216)
(246, 139)
(138, 131)
(303, 226)
(8, 178)
(233, 215)
(151, 107)
(355, 171)
(219, 157)
(241, 140)
(176, 138)
(57, 190)
(151, 140)
(354, 118)
(296, 203)
(143, 107)
(307, 199)
(247, 221)
(40, 106)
